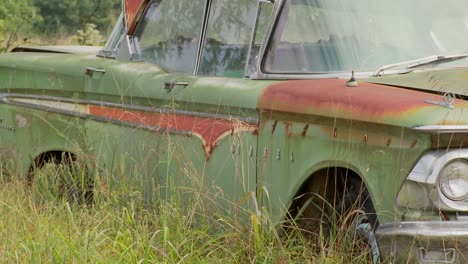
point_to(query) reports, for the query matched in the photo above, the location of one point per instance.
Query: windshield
(321, 36)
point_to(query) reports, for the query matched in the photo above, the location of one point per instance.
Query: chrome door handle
(168, 86)
(91, 70)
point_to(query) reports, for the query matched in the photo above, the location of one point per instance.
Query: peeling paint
(208, 130)
(21, 121)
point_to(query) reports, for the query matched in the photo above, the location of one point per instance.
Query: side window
(169, 34)
(227, 38)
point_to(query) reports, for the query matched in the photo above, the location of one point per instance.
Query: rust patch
(287, 128)
(366, 138)
(413, 144)
(331, 98)
(389, 141)
(304, 131)
(335, 132)
(209, 130)
(273, 128)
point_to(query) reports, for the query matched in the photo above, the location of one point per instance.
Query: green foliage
(53, 21)
(88, 36)
(68, 16)
(16, 17)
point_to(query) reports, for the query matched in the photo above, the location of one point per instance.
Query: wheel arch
(38, 159)
(342, 170)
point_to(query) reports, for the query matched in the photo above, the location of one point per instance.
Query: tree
(88, 36)
(65, 17)
(16, 17)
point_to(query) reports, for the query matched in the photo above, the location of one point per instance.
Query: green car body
(258, 138)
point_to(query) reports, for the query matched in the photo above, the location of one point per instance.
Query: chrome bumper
(423, 242)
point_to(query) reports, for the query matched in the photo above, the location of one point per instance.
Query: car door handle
(91, 70)
(168, 86)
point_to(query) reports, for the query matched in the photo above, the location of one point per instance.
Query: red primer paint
(331, 97)
(131, 7)
(210, 130)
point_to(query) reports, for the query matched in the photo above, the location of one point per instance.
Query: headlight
(453, 180)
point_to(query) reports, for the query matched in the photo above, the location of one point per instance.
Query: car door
(162, 127)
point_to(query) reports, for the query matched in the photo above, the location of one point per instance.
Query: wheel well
(328, 184)
(54, 155)
(69, 176)
(50, 156)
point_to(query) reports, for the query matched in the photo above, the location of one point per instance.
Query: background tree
(16, 18)
(65, 17)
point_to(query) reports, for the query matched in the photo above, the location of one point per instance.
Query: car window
(169, 34)
(322, 36)
(228, 36)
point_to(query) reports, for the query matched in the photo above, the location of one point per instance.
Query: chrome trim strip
(424, 229)
(253, 35)
(161, 110)
(97, 118)
(443, 129)
(275, 14)
(201, 40)
(252, 39)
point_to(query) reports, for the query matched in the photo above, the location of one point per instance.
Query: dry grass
(39, 225)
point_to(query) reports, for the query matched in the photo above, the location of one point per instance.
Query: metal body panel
(59, 49)
(341, 121)
(431, 79)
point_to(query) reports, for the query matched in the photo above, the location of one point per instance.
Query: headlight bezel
(442, 179)
(427, 171)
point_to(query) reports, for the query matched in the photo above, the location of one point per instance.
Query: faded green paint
(147, 158)
(302, 127)
(381, 149)
(435, 79)
(381, 155)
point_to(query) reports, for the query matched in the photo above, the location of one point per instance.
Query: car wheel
(61, 177)
(357, 213)
(338, 214)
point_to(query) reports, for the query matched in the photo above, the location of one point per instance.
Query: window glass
(228, 36)
(169, 33)
(314, 36)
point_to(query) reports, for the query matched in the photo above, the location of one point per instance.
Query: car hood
(440, 81)
(368, 102)
(59, 49)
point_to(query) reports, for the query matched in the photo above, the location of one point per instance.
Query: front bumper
(423, 242)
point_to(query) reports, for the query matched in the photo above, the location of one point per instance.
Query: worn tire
(357, 213)
(335, 209)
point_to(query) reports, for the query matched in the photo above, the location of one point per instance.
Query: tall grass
(39, 225)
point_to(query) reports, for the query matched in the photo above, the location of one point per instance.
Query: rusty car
(295, 104)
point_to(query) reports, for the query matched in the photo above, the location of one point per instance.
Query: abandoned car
(295, 104)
